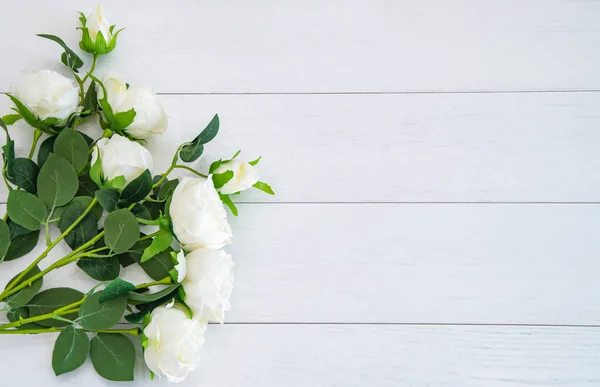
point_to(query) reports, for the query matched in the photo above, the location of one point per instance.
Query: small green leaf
(96, 316)
(23, 173)
(28, 116)
(22, 241)
(116, 183)
(113, 357)
(71, 146)
(96, 173)
(115, 288)
(253, 163)
(46, 148)
(70, 59)
(136, 318)
(21, 313)
(193, 150)
(51, 299)
(22, 297)
(220, 179)
(138, 188)
(160, 243)
(264, 187)
(57, 182)
(25, 209)
(10, 119)
(167, 189)
(90, 101)
(70, 350)
(85, 230)
(87, 187)
(149, 297)
(141, 211)
(101, 45)
(229, 203)
(108, 198)
(123, 119)
(4, 239)
(158, 267)
(100, 269)
(121, 230)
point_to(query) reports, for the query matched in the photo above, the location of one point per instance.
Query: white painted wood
(496, 264)
(324, 356)
(417, 148)
(325, 46)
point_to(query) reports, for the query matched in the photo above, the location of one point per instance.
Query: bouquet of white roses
(98, 192)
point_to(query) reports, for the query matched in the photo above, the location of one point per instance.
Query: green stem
(164, 281)
(149, 236)
(164, 176)
(68, 309)
(91, 69)
(36, 136)
(190, 169)
(45, 253)
(132, 331)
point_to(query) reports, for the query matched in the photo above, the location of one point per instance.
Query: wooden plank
(347, 355)
(497, 264)
(415, 148)
(326, 46)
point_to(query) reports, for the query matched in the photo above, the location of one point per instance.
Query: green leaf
(71, 146)
(155, 209)
(90, 101)
(69, 58)
(167, 189)
(22, 297)
(28, 116)
(8, 153)
(70, 350)
(85, 230)
(116, 183)
(57, 182)
(149, 297)
(220, 179)
(96, 316)
(158, 267)
(23, 173)
(160, 243)
(253, 163)
(25, 209)
(121, 230)
(108, 198)
(21, 313)
(140, 211)
(100, 269)
(101, 45)
(51, 299)
(123, 119)
(4, 238)
(193, 150)
(150, 306)
(136, 318)
(229, 203)
(264, 187)
(22, 241)
(46, 148)
(10, 119)
(87, 187)
(116, 288)
(113, 357)
(138, 188)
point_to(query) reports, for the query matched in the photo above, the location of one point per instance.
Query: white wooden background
(437, 167)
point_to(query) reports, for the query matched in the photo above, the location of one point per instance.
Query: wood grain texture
(324, 356)
(408, 148)
(326, 46)
(481, 264)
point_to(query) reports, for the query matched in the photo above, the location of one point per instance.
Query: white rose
(181, 266)
(174, 341)
(47, 94)
(120, 156)
(150, 116)
(198, 216)
(244, 176)
(208, 283)
(97, 23)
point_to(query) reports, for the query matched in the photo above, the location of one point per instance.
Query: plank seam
(415, 324)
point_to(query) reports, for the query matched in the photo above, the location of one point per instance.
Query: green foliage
(191, 151)
(121, 230)
(10, 119)
(145, 298)
(159, 266)
(71, 146)
(68, 58)
(114, 289)
(85, 230)
(22, 297)
(90, 101)
(264, 187)
(229, 203)
(57, 182)
(94, 315)
(113, 357)
(160, 243)
(87, 187)
(220, 179)
(25, 209)
(22, 240)
(4, 239)
(21, 313)
(141, 211)
(123, 119)
(70, 350)
(167, 189)
(45, 149)
(108, 198)
(100, 269)
(49, 125)
(138, 188)
(23, 173)
(51, 299)
(253, 163)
